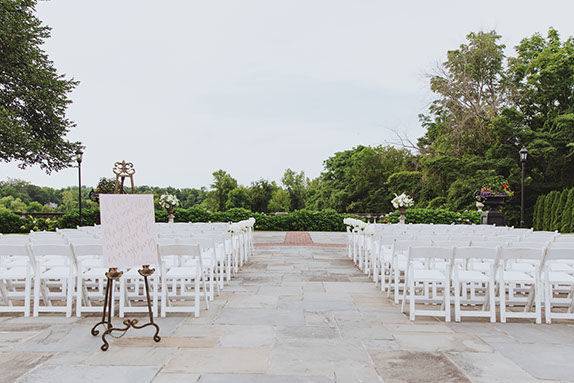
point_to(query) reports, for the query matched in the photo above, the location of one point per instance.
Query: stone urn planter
(402, 217)
(170, 216)
(492, 203)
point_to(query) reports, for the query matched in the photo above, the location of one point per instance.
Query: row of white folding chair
(50, 266)
(54, 282)
(501, 275)
(420, 270)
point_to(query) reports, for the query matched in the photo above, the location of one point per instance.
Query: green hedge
(436, 216)
(555, 211)
(300, 220)
(327, 220)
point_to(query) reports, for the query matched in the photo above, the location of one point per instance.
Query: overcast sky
(182, 88)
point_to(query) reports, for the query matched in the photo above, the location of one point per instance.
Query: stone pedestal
(492, 217)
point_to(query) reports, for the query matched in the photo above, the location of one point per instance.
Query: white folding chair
(16, 273)
(420, 269)
(181, 264)
(483, 277)
(519, 276)
(54, 278)
(558, 275)
(91, 275)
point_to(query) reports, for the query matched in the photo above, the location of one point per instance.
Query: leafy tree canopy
(33, 95)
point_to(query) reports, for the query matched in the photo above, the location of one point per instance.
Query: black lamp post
(523, 157)
(79, 154)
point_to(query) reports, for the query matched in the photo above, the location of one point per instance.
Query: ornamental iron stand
(114, 274)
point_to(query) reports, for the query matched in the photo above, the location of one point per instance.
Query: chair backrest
(191, 250)
(14, 250)
(85, 250)
(525, 244)
(429, 252)
(476, 253)
(559, 253)
(14, 238)
(403, 245)
(535, 254)
(42, 250)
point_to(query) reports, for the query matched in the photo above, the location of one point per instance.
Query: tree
(260, 194)
(238, 197)
(355, 180)
(296, 185)
(222, 184)
(408, 182)
(470, 86)
(280, 201)
(33, 95)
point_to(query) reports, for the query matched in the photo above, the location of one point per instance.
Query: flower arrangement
(169, 202)
(402, 200)
(496, 187)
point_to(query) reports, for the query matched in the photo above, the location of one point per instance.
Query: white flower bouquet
(169, 202)
(402, 200)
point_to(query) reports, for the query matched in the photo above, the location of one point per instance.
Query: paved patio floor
(297, 312)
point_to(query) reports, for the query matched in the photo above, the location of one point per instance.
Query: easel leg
(107, 299)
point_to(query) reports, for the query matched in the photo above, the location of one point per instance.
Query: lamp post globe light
(79, 154)
(523, 157)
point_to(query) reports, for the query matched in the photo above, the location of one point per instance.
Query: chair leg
(79, 297)
(548, 302)
(197, 296)
(155, 285)
(69, 297)
(27, 295)
(37, 293)
(122, 297)
(163, 297)
(397, 279)
(411, 299)
(446, 297)
(538, 303)
(492, 301)
(502, 299)
(457, 301)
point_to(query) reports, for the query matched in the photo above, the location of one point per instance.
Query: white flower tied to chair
(402, 200)
(168, 201)
(241, 226)
(355, 223)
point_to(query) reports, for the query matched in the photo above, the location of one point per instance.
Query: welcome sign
(128, 223)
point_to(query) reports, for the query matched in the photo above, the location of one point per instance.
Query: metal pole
(80, 189)
(522, 196)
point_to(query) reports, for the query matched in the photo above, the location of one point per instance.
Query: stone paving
(294, 314)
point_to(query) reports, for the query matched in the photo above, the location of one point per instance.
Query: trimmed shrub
(547, 218)
(566, 220)
(436, 216)
(557, 214)
(10, 222)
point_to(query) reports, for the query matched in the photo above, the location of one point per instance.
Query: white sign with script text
(128, 223)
